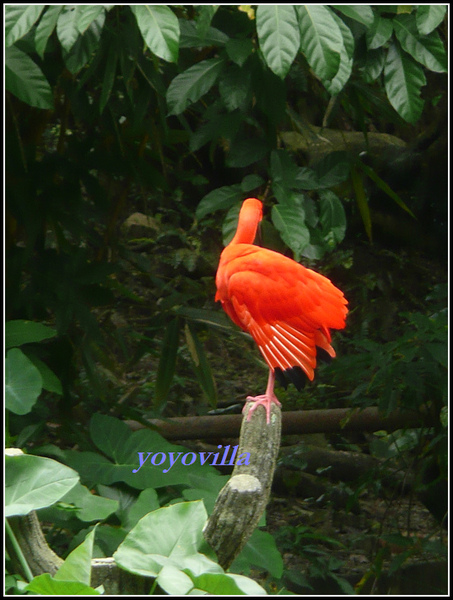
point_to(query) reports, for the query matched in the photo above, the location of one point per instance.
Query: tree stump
(242, 501)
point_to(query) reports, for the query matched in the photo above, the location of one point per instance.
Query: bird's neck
(247, 226)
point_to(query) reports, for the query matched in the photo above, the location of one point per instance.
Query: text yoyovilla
(189, 458)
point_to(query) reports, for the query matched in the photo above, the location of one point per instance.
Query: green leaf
(279, 36)
(429, 16)
(190, 36)
(109, 435)
(170, 536)
(239, 50)
(205, 15)
(245, 152)
(34, 482)
(67, 30)
(85, 46)
(290, 222)
(382, 185)
(283, 173)
(225, 584)
(218, 199)
(230, 224)
(25, 80)
(77, 566)
(201, 365)
(191, 85)
(333, 169)
(262, 552)
(108, 79)
(46, 585)
(361, 13)
(159, 27)
(167, 363)
(46, 27)
(122, 446)
(362, 201)
(251, 182)
(19, 19)
(21, 332)
(50, 381)
(88, 14)
(320, 39)
(379, 33)
(235, 88)
(425, 49)
(335, 86)
(23, 382)
(403, 79)
(88, 506)
(332, 218)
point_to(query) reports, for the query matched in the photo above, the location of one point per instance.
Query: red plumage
(287, 308)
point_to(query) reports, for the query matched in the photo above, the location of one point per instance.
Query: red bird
(287, 308)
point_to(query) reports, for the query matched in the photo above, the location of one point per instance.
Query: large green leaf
(23, 382)
(170, 536)
(34, 482)
(19, 19)
(77, 566)
(46, 585)
(278, 35)
(73, 577)
(190, 36)
(262, 552)
(205, 15)
(332, 169)
(223, 584)
(46, 27)
(363, 13)
(19, 332)
(159, 28)
(142, 459)
(332, 218)
(88, 14)
(50, 381)
(245, 152)
(429, 16)
(235, 88)
(320, 39)
(67, 26)
(220, 198)
(24, 79)
(379, 33)
(335, 86)
(425, 49)
(283, 173)
(290, 222)
(403, 80)
(191, 85)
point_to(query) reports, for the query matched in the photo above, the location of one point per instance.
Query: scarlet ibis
(287, 308)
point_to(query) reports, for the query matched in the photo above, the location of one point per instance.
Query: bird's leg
(266, 399)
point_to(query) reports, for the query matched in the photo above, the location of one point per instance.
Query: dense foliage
(334, 115)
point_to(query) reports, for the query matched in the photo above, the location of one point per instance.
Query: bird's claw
(264, 400)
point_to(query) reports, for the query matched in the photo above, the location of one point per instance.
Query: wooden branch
(301, 422)
(242, 501)
(39, 556)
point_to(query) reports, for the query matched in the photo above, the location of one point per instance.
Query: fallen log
(293, 422)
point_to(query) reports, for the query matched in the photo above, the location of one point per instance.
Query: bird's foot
(265, 400)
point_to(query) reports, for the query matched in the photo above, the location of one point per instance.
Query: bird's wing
(287, 309)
